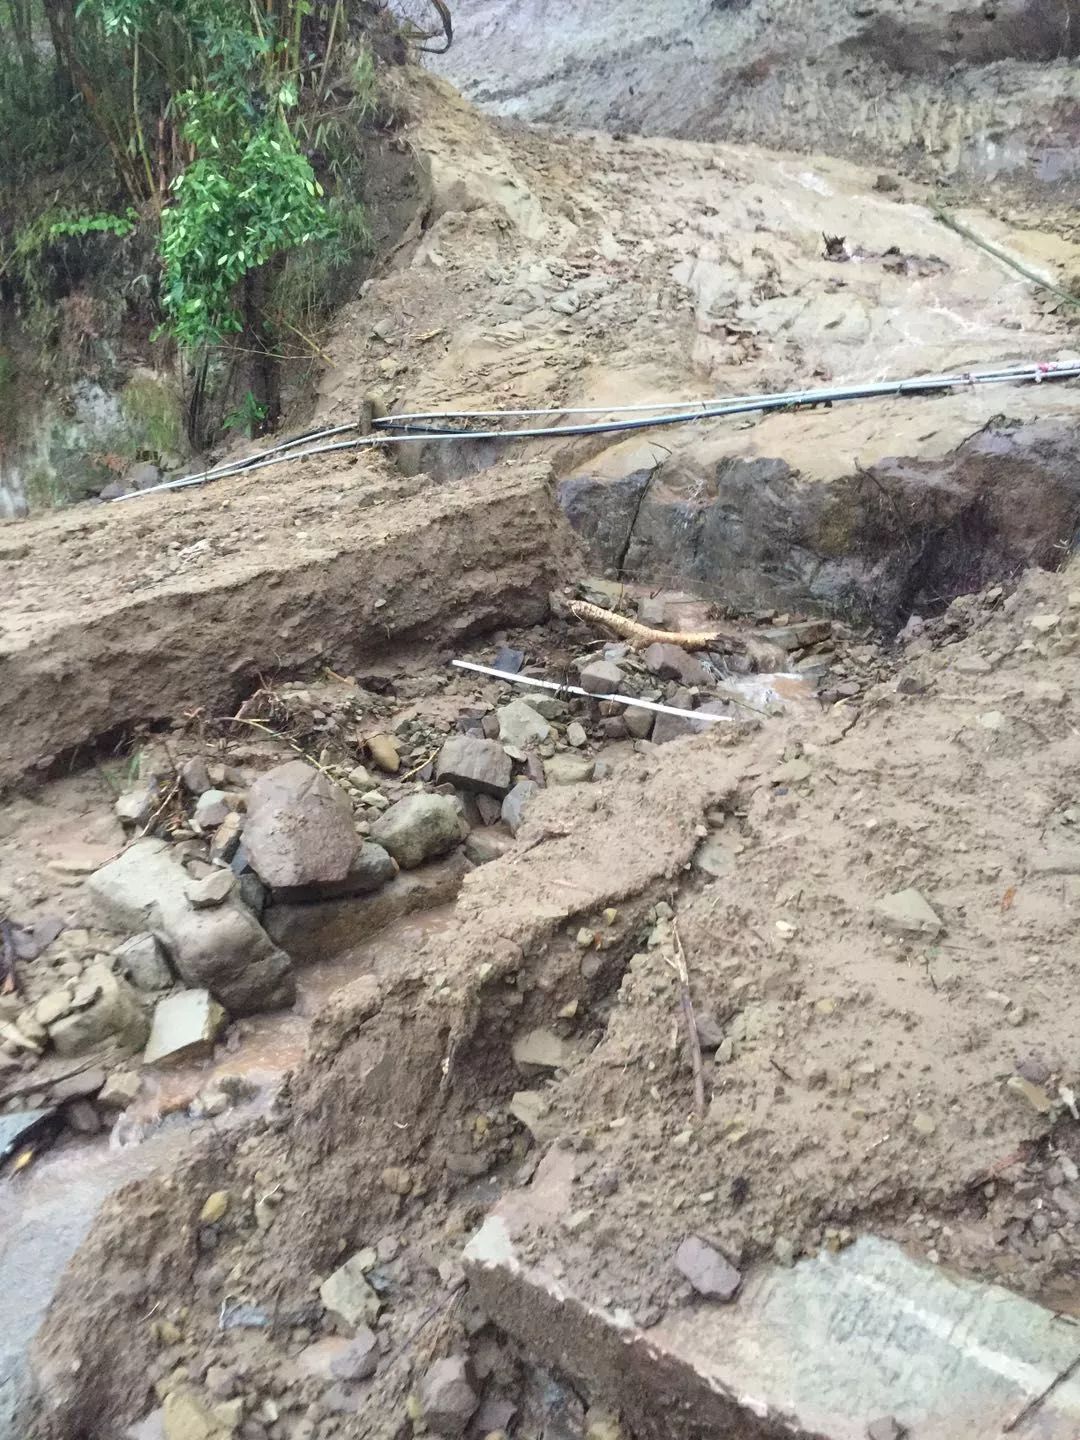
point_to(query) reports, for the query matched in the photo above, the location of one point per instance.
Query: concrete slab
(819, 1350)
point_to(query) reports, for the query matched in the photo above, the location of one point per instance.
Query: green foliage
(248, 416)
(120, 225)
(152, 417)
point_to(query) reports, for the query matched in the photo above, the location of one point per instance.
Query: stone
(142, 961)
(886, 1427)
(713, 1277)
(77, 1087)
(371, 869)
(639, 722)
(212, 890)
(185, 1028)
(224, 950)
(549, 706)
(384, 751)
(972, 665)
(575, 735)
(107, 1010)
(907, 913)
(135, 807)
(398, 1181)
(447, 1398)
(226, 838)
(521, 723)
(418, 828)
(513, 807)
(53, 1006)
(186, 1416)
(601, 677)
(652, 610)
(299, 827)
(713, 857)
(347, 1294)
(672, 662)
(490, 842)
(540, 1047)
(215, 1208)
(338, 1358)
(143, 475)
(119, 1090)
(923, 1124)
(1044, 624)
(212, 808)
(507, 660)
(532, 1108)
(568, 769)
(82, 1117)
(360, 778)
(490, 808)
(195, 776)
(475, 765)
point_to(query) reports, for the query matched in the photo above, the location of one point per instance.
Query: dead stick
(641, 635)
(692, 1037)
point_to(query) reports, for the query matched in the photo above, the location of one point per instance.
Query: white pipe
(576, 690)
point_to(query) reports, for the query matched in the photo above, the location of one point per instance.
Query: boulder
(105, 1010)
(477, 765)
(185, 1028)
(371, 869)
(521, 724)
(513, 807)
(417, 828)
(225, 949)
(299, 828)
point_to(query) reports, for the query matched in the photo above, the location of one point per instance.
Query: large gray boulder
(224, 950)
(418, 828)
(299, 828)
(482, 766)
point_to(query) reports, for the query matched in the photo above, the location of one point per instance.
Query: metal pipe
(576, 690)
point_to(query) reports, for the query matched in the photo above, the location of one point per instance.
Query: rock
(475, 765)
(568, 769)
(907, 913)
(135, 807)
(1034, 1095)
(672, 662)
(508, 661)
(195, 776)
(221, 1382)
(299, 827)
(521, 724)
(792, 772)
(923, 1124)
(398, 1181)
(142, 476)
(212, 890)
(447, 1398)
(348, 1295)
(371, 869)
(540, 1047)
(82, 1117)
(212, 808)
(532, 1108)
(972, 665)
(384, 751)
(418, 828)
(513, 807)
(652, 610)
(77, 1087)
(224, 950)
(360, 777)
(575, 735)
(713, 857)
(549, 706)
(187, 1417)
(119, 1090)
(337, 1358)
(886, 1428)
(1044, 624)
(639, 723)
(142, 961)
(53, 1006)
(490, 808)
(488, 843)
(601, 677)
(106, 1009)
(215, 1208)
(185, 1028)
(707, 1270)
(226, 838)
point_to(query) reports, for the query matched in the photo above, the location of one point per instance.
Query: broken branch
(641, 635)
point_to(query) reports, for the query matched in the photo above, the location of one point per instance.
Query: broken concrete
(224, 949)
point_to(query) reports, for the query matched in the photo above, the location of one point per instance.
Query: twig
(692, 1037)
(276, 735)
(642, 635)
(417, 768)
(778, 1067)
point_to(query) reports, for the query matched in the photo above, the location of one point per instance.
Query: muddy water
(46, 1211)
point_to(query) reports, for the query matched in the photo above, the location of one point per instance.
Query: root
(641, 635)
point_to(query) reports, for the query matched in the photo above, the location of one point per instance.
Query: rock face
(299, 829)
(224, 949)
(104, 1009)
(418, 828)
(478, 765)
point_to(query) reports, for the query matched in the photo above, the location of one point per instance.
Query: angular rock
(706, 1269)
(513, 807)
(521, 724)
(337, 1358)
(568, 769)
(195, 776)
(602, 677)
(185, 1028)
(549, 706)
(136, 806)
(142, 961)
(187, 1416)
(82, 1117)
(226, 838)
(77, 1087)
(540, 1047)
(417, 828)
(212, 808)
(371, 869)
(299, 828)
(119, 1090)
(224, 950)
(490, 808)
(53, 1006)
(907, 913)
(347, 1294)
(886, 1427)
(575, 735)
(107, 1010)
(672, 662)
(384, 751)
(212, 890)
(490, 842)
(475, 765)
(447, 1398)
(639, 723)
